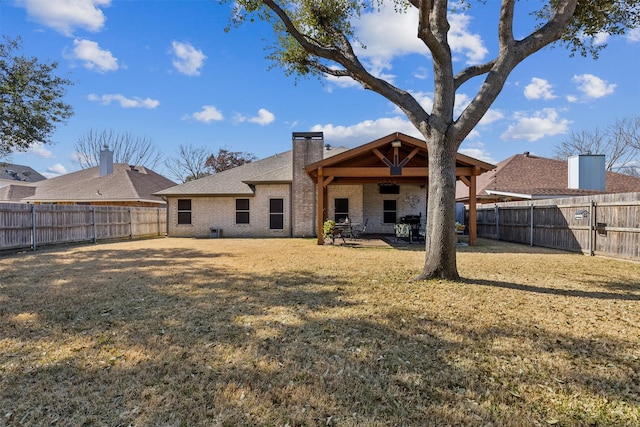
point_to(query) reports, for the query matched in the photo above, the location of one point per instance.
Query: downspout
(291, 209)
(166, 224)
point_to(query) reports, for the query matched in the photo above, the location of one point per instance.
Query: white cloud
(478, 151)
(135, 102)
(593, 86)
(422, 73)
(82, 158)
(66, 15)
(633, 35)
(597, 39)
(188, 60)
(209, 113)
(462, 41)
(539, 89)
(38, 149)
(388, 34)
(55, 170)
(491, 116)
(366, 131)
(425, 99)
(543, 123)
(94, 58)
(342, 82)
(263, 118)
(601, 38)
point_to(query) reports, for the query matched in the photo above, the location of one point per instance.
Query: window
(276, 214)
(242, 211)
(341, 209)
(389, 211)
(184, 211)
(389, 188)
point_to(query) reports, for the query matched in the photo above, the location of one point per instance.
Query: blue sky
(166, 70)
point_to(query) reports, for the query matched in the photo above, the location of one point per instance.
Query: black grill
(410, 219)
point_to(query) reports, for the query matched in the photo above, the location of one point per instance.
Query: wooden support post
(320, 202)
(473, 216)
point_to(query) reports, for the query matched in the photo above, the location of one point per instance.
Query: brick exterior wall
(373, 205)
(220, 212)
(307, 148)
(351, 192)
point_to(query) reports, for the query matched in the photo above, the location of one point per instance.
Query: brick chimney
(307, 149)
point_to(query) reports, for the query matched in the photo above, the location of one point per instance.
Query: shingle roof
(539, 176)
(13, 172)
(125, 183)
(232, 182)
(11, 191)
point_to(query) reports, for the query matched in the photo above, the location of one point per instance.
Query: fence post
(497, 223)
(592, 223)
(33, 227)
(130, 224)
(531, 239)
(95, 227)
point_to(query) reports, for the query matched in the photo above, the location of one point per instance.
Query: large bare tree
(127, 148)
(620, 143)
(189, 163)
(317, 37)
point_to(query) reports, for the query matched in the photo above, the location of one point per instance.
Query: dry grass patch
(284, 332)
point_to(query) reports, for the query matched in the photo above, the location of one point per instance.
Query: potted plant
(327, 228)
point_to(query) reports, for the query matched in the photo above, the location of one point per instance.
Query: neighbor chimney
(587, 172)
(106, 161)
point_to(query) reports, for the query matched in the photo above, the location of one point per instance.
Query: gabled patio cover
(397, 157)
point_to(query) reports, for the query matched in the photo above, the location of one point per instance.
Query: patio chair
(358, 229)
(403, 231)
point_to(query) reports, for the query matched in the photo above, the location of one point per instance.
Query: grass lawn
(282, 332)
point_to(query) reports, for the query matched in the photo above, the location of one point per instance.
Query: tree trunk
(441, 239)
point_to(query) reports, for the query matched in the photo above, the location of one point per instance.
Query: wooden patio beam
(383, 172)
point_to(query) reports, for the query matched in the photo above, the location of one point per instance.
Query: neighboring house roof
(237, 181)
(526, 176)
(10, 191)
(125, 184)
(13, 172)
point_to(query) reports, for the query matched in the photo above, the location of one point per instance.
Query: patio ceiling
(396, 158)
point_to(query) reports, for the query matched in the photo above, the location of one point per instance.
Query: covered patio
(391, 162)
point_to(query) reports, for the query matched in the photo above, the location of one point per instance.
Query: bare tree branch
(127, 148)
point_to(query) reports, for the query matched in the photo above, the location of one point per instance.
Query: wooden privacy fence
(25, 226)
(606, 224)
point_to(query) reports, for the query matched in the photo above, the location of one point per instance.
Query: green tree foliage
(31, 95)
(317, 37)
